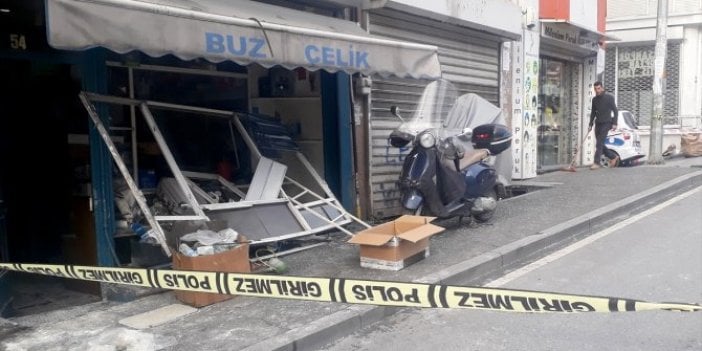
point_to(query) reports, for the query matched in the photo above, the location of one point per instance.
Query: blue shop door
(338, 138)
(5, 295)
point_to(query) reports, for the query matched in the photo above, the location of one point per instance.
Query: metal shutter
(469, 59)
(629, 73)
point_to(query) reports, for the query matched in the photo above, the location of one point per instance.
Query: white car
(624, 143)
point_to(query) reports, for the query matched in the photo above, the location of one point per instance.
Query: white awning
(238, 30)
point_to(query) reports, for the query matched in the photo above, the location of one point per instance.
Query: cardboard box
(235, 260)
(397, 244)
(691, 144)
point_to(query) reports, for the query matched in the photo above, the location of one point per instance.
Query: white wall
(584, 13)
(691, 72)
(525, 68)
(648, 8)
(497, 16)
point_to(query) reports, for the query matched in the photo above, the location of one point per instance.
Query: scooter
(450, 170)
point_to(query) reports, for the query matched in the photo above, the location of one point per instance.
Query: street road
(657, 258)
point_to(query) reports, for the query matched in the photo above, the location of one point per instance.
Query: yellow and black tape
(352, 291)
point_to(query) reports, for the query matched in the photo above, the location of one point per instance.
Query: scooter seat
(473, 156)
(470, 157)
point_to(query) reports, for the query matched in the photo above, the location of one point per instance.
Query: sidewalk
(567, 206)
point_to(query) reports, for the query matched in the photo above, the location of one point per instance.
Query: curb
(325, 330)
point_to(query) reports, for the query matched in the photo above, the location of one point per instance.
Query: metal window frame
(189, 188)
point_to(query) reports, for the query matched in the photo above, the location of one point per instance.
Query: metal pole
(656, 143)
(132, 114)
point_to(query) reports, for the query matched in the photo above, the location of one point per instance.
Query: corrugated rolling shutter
(629, 70)
(469, 59)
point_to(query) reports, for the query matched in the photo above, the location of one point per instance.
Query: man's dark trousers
(601, 130)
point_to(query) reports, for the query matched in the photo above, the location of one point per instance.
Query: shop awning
(238, 30)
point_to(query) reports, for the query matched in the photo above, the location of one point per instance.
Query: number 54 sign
(18, 42)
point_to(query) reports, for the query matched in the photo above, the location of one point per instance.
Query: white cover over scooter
(470, 111)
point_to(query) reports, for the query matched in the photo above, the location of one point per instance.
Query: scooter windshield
(433, 109)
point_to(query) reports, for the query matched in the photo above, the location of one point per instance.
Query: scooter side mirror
(396, 112)
(466, 134)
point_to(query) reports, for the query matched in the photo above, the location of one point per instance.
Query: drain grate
(523, 188)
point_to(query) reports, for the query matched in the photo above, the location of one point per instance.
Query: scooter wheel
(486, 216)
(465, 220)
(417, 212)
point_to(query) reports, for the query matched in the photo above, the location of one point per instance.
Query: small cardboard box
(397, 244)
(235, 260)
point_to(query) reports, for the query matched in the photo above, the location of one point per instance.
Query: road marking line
(587, 241)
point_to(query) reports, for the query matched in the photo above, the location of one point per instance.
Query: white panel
(645, 34)
(584, 13)
(629, 8)
(589, 77)
(517, 105)
(639, 8)
(691, 72)
(685, 6)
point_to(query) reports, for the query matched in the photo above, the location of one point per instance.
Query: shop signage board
(264, 37)
(569, 35)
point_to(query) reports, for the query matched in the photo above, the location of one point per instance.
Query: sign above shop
(637, 62)
(572, 35)
(568, 35)
(264, 34)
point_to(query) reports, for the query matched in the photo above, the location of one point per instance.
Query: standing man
(604, 116)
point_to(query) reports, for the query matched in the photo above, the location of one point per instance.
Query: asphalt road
(655, 258)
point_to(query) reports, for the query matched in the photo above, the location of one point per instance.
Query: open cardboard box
(235, 260)
(397, 244)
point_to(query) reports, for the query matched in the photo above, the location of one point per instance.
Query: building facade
(630, 59)
(551, 75)
(257, 58)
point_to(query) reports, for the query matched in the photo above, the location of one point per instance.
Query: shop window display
(554, 106)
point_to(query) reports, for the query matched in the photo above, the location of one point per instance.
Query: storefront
(555, 125)
(569, 57)
(292, 65)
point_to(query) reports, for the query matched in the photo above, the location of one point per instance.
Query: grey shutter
(469, 59)
(629, 72)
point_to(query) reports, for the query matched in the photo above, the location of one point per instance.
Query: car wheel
(605, 161)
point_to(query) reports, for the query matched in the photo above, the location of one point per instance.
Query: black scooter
(450, 176)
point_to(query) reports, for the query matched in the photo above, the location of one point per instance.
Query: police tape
(352, 291)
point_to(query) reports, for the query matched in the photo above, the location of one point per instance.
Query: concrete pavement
(560, 208)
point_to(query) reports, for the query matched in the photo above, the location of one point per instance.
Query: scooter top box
(494, 137)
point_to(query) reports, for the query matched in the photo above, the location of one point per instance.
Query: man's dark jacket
(604, 109)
